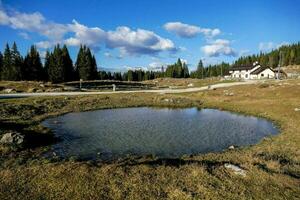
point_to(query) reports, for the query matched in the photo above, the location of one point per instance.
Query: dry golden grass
(272, 166)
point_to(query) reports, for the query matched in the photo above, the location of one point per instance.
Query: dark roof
(260, 69)
(244, 67)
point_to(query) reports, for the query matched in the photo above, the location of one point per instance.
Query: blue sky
(151, 33)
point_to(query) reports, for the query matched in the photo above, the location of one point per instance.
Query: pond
(163, 132)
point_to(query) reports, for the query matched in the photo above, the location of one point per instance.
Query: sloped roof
(260, 69)
(244, 67)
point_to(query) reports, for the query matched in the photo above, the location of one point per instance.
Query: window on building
(262, 75)
(240, 76)
(246, 75)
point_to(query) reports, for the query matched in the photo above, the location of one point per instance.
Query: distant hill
(290, 56)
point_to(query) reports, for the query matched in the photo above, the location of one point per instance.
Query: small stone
(31, 90)
(236, 169)
(297, 109)
(231, 147)
(9, 90)
(190, 85)
(12, 138)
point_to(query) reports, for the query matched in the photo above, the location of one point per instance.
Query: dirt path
(167, 91)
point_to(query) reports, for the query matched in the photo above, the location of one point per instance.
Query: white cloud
(129, 42)
(218, 47)
(108, 55)
(137, 42)
(92, 37)
(24, 35)
(44, 44)
(34, 22)
(156, 66)
(189, 31)
(268, 46)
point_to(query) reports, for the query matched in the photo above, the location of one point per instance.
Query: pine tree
(5, 75)
(86, 65)
(199, 71)
(46, 65)
(16, 63)
(56, 71)
(67, 65)
(12, 62)
(1, 64)
(32, 68)
(130, 75)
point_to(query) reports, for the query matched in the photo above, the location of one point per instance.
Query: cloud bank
(217, 48)
(129, 42)
(190, 31)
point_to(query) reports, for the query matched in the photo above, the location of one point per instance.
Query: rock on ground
(236, 169)
(12, 138)
(9, 90)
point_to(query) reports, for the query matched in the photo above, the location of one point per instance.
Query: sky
(150, 33)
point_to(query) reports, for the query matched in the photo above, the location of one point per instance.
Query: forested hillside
(284, 55)
(59, 67)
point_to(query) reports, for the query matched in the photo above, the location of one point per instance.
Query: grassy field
(272, 166)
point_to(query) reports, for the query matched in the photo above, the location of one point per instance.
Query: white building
(256, 71)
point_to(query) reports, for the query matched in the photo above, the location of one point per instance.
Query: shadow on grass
(33, 138)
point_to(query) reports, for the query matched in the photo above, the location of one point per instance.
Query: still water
(113, 133)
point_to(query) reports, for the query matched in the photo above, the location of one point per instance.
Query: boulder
(12, 138)
(231, 147)
(236, 169)
(191, 85)
(31, 90)
(9, 90)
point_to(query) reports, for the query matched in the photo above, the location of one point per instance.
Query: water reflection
(162, 132)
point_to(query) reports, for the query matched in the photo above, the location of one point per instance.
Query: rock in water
(12, 138)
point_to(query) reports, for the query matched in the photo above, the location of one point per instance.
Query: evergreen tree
(1, 64)
(46, 65)
(199, 71)
(130, 75)
(86, 65)
(67, 65)
(56, 70)
(32, 68)
(12, 62)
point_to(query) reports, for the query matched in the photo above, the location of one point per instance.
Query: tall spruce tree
(6, 71)
(67, 64)
(56, 69)
(86, 66)
(32, 68)
(12, 62)
(199, 71)
(1, 64)
(16, 63)
(46, 65)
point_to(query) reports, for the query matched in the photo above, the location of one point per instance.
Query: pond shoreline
(273, 161)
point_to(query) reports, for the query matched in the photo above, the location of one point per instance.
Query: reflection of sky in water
(163, 132)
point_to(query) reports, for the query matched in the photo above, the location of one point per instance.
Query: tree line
(283, 56)
(210, 71)
(58, 66)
